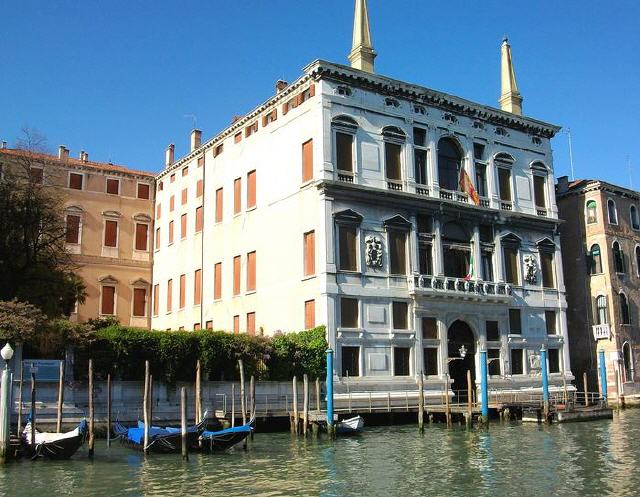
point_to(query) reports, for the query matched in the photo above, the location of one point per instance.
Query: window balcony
(395, 185)
(346, 177)
(506, 205)
(601, 331)
(422, 190)
(451, 287)
(454, 195)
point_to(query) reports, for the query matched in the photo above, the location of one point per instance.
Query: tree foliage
(19, 321)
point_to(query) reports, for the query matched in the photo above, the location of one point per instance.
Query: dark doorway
(460, 334)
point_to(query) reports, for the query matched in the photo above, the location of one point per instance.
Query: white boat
(350, 426)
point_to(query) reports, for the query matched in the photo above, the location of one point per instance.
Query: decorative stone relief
(530, 269)
(535, 367)
(373, 251)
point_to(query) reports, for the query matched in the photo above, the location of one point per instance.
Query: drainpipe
(545, 382)
(329, 382)
(603, 375)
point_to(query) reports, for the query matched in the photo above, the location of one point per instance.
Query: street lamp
(5, 403)
(7, 354)
(463, 353)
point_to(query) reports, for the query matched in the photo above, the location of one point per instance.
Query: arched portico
(460, 334)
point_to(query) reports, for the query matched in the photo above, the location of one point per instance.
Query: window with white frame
(612, 211)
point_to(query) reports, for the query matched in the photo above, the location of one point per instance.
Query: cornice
(597, 185)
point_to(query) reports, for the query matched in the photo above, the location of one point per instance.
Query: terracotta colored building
(109, 219)
(601, 256)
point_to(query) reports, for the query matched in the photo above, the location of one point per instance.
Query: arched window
(624, 309)
(627, 360)
(456, 249)
(618, 258)
(449, 163)
(592, 215)
(635, 220)
(613, 213)
(602, 316)
(595, 260)
(638, 261)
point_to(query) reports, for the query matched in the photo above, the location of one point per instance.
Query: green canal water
(584, 459)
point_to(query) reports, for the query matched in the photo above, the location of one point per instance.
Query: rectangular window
(170, 232)
(113, 186)
(72, 233)
(431, 361)
(169, 295)
(494, 365)
(401, 361)
(481, 180)
(425, 258)
(504, 179)
(199, 219)
(199, 188)
(196, 326)
(397, 252)
(75, 181)
(183, 290)
(142, 236)
(219, 205)
(237, 138)
(251, 323)
(236, 324)
(217, 281)
(185, 171)
(350, 361)
(197, 287)
(400, 316)
(554, 360)
(349, 313)
(347, 236)
(478, 151)
(420, 164)
(108, 304)
(517, 362)
(487, 266)
(201, 161)
(237, 195)
(158, 210)
(236, 275)
(309, 247)
(393, 164)
(344, 152)
(550, 320)
(515, 322)
(172, 203)
(185, 196)
(307, 161)
(546, 268)
(539, 185)
(111, 233)
(156, 296)
(309, 314)
(511, 265)
(172, 178)
(420, 137)
(157, 239)
(251, 189)
(183, 226)
(429, 329)
(209, 325)
(139, 302)
(251, 271)
(493, 331)
(143, 191)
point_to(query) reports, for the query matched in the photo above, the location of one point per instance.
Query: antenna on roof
(630, 169)
(568, 132)
(194, 119)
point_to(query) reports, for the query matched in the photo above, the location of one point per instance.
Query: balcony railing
(454, 195)
(541, 211)
(506, 205)
(450, 286)
(346, 177)
(421, 190)
(601, 331)
(484, 202)
(393, 184)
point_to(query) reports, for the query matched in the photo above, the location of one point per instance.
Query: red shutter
(309, 314)
(108, 299)
(185, 192)
(172, 203)
(197, 287)
(251, 189)
(183, 282)
(312, 90)
(73, 229)
(113, 186)
(142, 234)
(237, 195)
(157, 238)
(251, 323)
(110, 233)
(169, 295)
(251, 271)
(199, 188)
(170, 232)
(199, 219)
(219, 205)
(75, 181)
(139, 302)
(307, 161)
(185, 171)
(236, 275)
(236, 324)
(217, 281)
(309, 253)
(158, 210)
(183, 226)
(156, 296)
(201, 161)
(143, 191)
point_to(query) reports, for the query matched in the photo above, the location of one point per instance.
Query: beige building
(109, 219)
(601, 256)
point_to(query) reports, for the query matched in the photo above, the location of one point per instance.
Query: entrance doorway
(460, 334)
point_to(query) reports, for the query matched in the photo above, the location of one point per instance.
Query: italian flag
(472, 269)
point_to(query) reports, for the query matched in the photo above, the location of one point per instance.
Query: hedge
(122, 351)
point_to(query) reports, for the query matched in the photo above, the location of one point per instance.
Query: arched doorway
(460, 334)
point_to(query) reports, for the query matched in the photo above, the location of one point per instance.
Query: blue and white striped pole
(545, 382)
(603, 375)
(329, 382)
(484, 385)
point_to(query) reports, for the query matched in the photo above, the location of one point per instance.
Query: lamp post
(5, 401)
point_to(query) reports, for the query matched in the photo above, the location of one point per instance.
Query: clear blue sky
(117, 78)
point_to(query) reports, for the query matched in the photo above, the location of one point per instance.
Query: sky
(123, 79)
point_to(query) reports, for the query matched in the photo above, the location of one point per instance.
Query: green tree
(19, 321)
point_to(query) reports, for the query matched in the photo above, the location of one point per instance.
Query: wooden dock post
(145, 408)
(151, 399)
(252, 401)
(469, 417)
(33, 408)
(243, 406)
(108, 410)
(198, 397)
(60, 398)
(305, 404)
(183, 424)
(447, 407)
(318, 394)
(233, 405)
(294, 426)
(19, 430)
(420, 403)
(92, 439)
(586, 389)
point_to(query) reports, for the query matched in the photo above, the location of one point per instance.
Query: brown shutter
(158, 211)
(169, 295)
(201, 161)
(156, 296)
(219, 205)
(108, 299)
(251, 271)
(142, 234)
(236, 324)
(183, 289)
(143, 191)
(110, 233)
(199, 188)
(139, 302)
(209, 325)
(307, 161)
(237, 195)
(183, 226)
(309, 314)
(185, 193)
(172, 203)
(170, 232)
(185, 171)
(75, 181)
(309, 253)
(251, 189)
(236, 275)
(199, 219)
(217, 281)
(72, 234)
(113, 186)
(312, 90)
(285, 109)
(157, 238)
(237, 138)
(197, 287)
(251, 323)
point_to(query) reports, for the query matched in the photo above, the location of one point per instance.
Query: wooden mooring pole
(421, 403)
(60, 398)
(469, 417)
(243, 400)
(183, 424)
(585, 386)
(198, 395)
(294, 426)
(108, 410)
(92, 439)
(305, 404)
(318, 394)
(447, 407)
(252, 401)
(145, 407)
(19, 430)
(233, 405)
(151, 399)
(33, 409)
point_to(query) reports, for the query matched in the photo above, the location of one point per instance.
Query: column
(477, 254)
(432, 161)
(498, 270)
(438, 262)
(443, 335)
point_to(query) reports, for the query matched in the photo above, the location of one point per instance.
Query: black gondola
(217, 441)
(53, 445)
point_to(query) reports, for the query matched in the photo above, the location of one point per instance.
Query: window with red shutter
(217, 281)
(307, 161)
(142, 235)
(75, 181)
(185, 171)
(113, 186)
(185, 192)
(251, 323)
(199, 219)
(72, 234)
(157, 238)
(36, 174)
(156, 296)
(183, 290)
(251, 189)
(251, 271)
(110, 233)
(169, 295)
(158, 210)
(143, 191)
(107, 306)
(170, 232)
(237, 195)
(236, 275)
(219, 205)
(236, 324)
(199, 188)
(309, 314)
(183, 226)
(309, 253)
(139, 302)
(172, 203)
(201, 161)
(197, 287)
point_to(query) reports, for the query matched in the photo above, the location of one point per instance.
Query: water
(583, 459)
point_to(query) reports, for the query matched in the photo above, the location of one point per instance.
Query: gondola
(351, 426)
(218, 441)
(53, 445)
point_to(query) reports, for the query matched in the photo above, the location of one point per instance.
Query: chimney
(4, 144)
(84, 156)
(63, 152)
(563, 184)
(168, 156)
(281, 85)
(196, 137)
